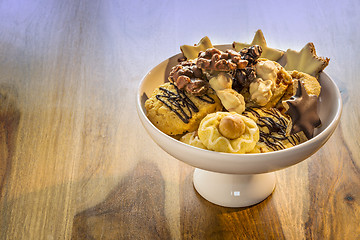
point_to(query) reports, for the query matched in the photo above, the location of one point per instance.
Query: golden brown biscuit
(175, 112)
(311, 84)
(272, 126)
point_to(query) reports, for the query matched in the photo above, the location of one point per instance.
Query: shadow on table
(135, 209)
(9, 123)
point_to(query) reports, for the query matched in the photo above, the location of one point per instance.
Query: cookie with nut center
(217, 140)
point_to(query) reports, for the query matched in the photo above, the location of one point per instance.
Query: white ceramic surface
(233, 190)
(329, 110)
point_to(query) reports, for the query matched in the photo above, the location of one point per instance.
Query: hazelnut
(232, 126)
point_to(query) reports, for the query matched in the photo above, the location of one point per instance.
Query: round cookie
(175, 112)
(211, 136)
(311, 84)
(273, 130)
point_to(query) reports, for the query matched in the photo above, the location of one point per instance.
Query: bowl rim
(323, 134)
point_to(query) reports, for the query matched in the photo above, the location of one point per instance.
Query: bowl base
(233, 190)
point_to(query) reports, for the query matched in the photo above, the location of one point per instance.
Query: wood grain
(139, 198)
(75, 162)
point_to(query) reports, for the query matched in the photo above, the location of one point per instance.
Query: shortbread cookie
(311, 84)
(272, 126)
(259, 39)
(175, 112)
(228, 132)
(192, 52)
(264, 147)
(305, 61)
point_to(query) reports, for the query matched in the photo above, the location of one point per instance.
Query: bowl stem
(233, 190)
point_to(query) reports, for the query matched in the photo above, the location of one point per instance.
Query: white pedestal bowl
(238, 180)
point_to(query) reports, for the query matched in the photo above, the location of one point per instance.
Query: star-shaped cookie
(259, 39)
(192, 52)
(302, 110)
(305, 61)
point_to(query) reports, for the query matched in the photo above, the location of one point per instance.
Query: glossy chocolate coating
(302, 109)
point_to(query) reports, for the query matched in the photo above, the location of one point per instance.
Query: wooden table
(75, 161)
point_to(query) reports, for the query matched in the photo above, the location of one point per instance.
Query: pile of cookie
(240, 100)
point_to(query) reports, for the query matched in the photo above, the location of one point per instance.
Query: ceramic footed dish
(238, 180)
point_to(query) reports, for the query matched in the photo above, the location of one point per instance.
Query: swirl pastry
(228, 132)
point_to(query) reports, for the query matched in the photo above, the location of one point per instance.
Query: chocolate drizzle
(206, 98)
(268, 137)
(179, 103)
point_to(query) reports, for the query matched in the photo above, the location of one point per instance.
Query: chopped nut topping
(251, 54)
(243, 77)
(187, 76)
(214, 59)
